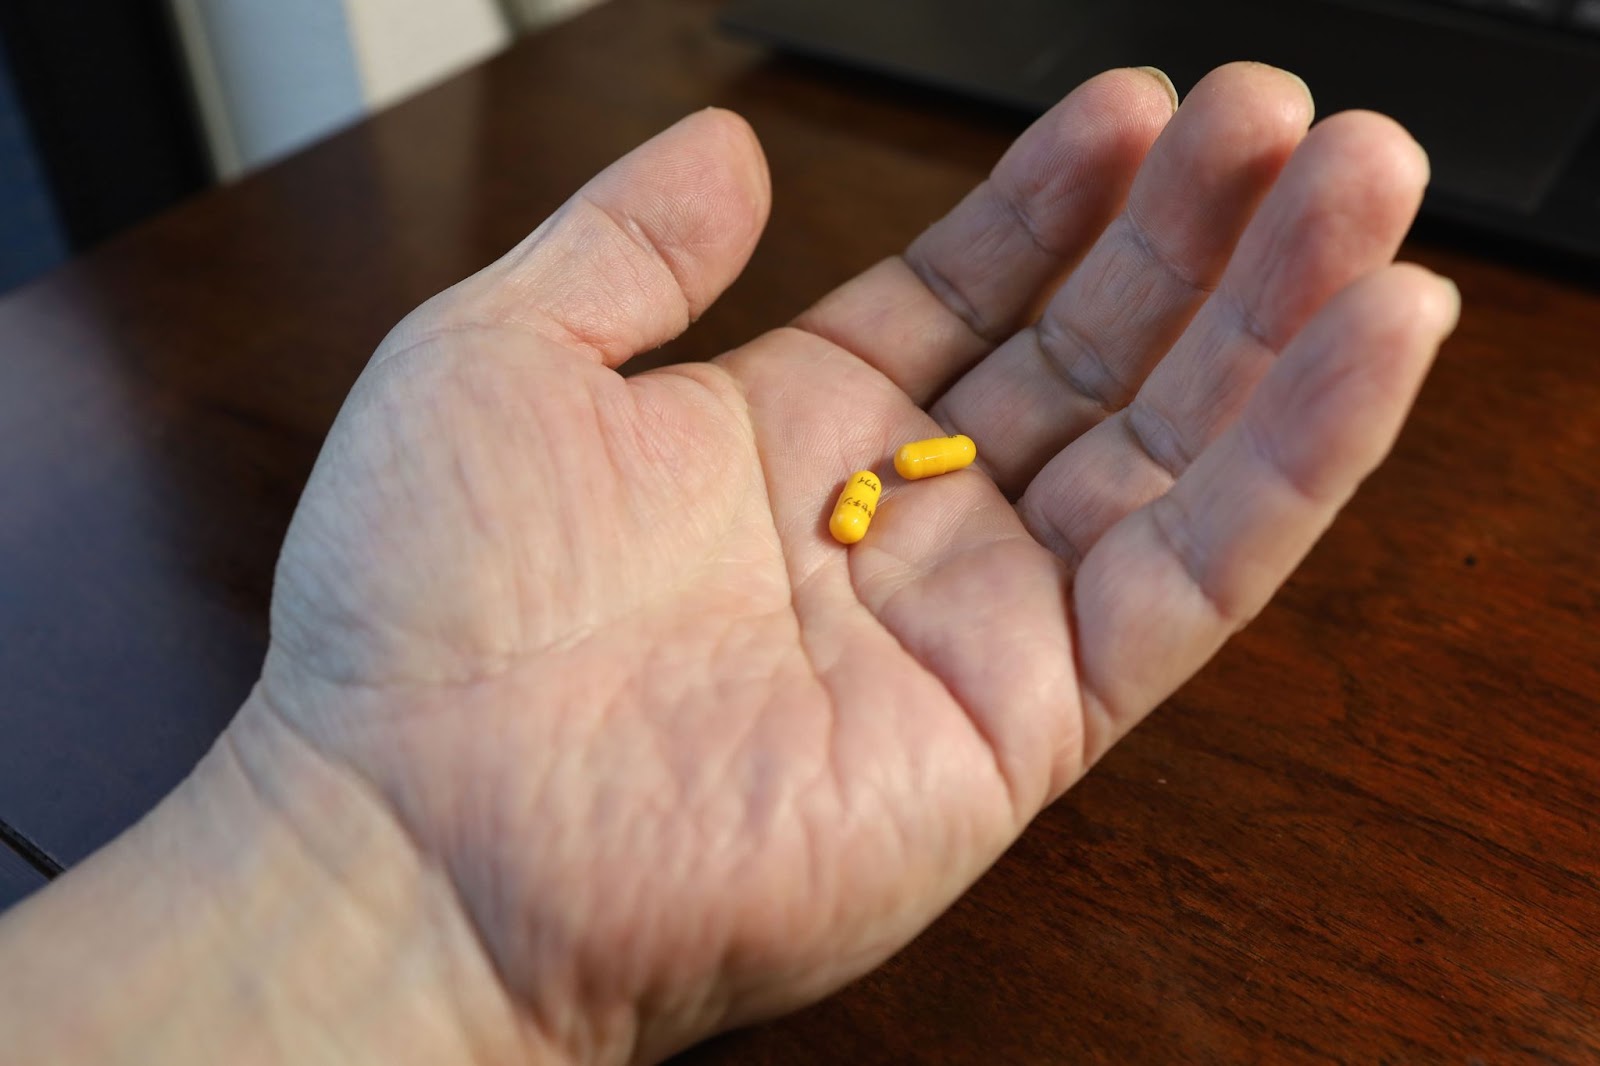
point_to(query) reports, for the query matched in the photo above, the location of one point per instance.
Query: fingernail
(1166, 83)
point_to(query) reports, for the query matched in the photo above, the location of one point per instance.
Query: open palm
(685, 761)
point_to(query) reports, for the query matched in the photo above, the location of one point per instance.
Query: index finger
(979, 273)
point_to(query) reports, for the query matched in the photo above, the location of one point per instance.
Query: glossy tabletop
(1365, 833)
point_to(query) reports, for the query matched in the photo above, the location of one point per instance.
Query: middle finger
(1143, 280)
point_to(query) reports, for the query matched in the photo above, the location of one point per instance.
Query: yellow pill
(926, 458)
(857, 504)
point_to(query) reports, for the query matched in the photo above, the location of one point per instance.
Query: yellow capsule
(857, 504)
(926, 458)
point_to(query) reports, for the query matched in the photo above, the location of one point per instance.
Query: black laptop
(1504, 94)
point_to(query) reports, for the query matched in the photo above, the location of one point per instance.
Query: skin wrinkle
(1098, 725)
(548, 943)
(578, 791)
(1124, 299)
(1087, 365)
(799, 581)
(1067, 173)
(629, 226)
(1053, 691)
(576, 635)
(344, 619)
(358, 621)
(1247, 322)
(1181, 453)
(1273, 262)
(1097, 709)
(735, 757)
(472, 495)
(1157, 438)
(516, 638)
(1101, 717)
(1019, 208)
(1063, 173)
(952, 426)
(1041, 523)
(981, 731)
(593, 315)
(742, 962)
(368, 791)
(1259, 444)
(723, 780)
(1158, 257)
(1053, 335)
(489, 532)
(797, 584)
(747, 960)
(775, 807)
(1174, 526)
(629, 895)
(519, 304)
(817, 326)
(1092, 709)
(949, 295)
(467, 637)
(1016, 208)
(823, 351)
(499, 820)
(1324, 218)
(831, 763)
(587, 953)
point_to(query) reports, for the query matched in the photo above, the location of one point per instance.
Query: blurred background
(113, 110)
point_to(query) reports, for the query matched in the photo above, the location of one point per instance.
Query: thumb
(637, 253)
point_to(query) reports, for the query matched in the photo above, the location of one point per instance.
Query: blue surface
(31, 238)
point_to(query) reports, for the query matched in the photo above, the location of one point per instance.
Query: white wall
(405, 45)
(534, 13)
(269, 75)
(273, 75)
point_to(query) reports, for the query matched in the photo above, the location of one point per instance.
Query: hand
(682, 760)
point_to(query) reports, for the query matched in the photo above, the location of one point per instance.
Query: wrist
(270, 910)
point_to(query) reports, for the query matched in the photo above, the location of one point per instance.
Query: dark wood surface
(1364, 834)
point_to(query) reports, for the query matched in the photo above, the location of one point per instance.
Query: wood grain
(1364, 834)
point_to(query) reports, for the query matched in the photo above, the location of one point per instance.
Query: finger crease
(980, 728)
(1016, 208)
(1175, 529)
(1262, 444)
(1161, 258)
(950, 295)
(945, 415)
(1247, 321)
(1065, 349)
(637, 235)
(1155, 436)
(1048, 532)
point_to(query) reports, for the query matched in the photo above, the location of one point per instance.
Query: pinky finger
(1164, 588)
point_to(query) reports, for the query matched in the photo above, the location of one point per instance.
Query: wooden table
(1365, 833)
